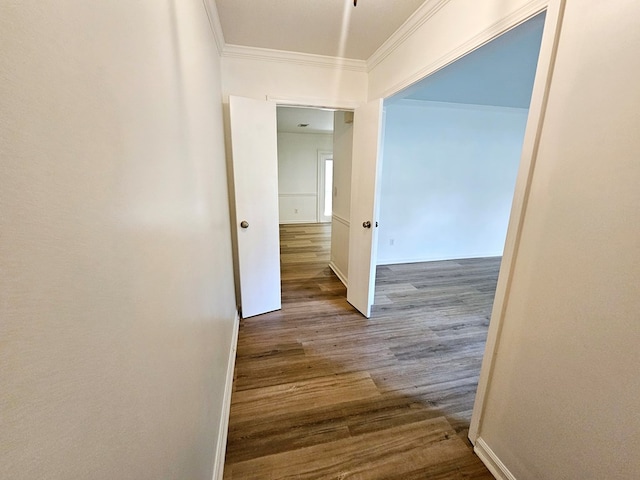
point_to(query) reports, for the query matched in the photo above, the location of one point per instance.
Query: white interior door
(367, 135)
(255, 176)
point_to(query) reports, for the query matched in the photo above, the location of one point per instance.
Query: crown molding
(296, 58)
(214, 22)
(512, 20)
(415, 103)
(427, 10)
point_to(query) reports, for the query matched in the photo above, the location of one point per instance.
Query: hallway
(322, 392)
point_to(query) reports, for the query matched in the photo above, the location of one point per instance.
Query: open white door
(365, 169)
(255, 176)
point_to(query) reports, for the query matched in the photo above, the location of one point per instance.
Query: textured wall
(116, 298)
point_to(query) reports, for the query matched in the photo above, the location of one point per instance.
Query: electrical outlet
(295, 210)
(391, 241)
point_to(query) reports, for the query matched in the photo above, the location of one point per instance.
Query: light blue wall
(500, 73)
(448, 177)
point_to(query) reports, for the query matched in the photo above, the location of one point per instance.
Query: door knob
(244, 224)
(366, 224)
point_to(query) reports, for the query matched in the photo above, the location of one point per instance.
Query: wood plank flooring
(321, 392)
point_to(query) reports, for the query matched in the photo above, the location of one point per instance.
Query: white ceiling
(500, 73)
(324, 27)
(320, 121)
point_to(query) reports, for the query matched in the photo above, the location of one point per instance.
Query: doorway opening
(305, 140)
(451, 153)
(452, 149)
(314, 177)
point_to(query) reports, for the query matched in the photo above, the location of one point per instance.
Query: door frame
(323, 156)
(544, 72)
(554, 10)
(303, 102)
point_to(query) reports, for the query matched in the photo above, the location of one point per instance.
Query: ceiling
(324, 27)
(500, 73)
(319, 120)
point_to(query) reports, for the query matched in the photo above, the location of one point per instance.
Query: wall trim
(297, 195)
(507, 23)
(413, 103)
(535, 123)
(401, 261)
(332, 265)
(300, 222)
(427, 10)
(326, 134)
(491, 461)
(340, 219)
(214, 22)
(295, 58)
(221, 448)
(339, 273)
(311, 102)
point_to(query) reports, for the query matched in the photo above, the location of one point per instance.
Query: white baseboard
(338, 272)
(218, 465)
(303, 221)
(491, 461)
(399, 261)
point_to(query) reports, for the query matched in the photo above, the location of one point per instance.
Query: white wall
(448, 176)
(563, 397)
(298, 175)
(342, 150)
(260, 75)
(117, 292)
(301, 83)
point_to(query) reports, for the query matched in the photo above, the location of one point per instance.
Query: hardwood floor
(323, 393)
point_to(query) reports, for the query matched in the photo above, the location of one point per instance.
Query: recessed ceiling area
(500, 73)
(318, 120)
(323, 27)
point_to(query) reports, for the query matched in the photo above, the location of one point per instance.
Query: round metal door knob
(244, 224)
(366, 224)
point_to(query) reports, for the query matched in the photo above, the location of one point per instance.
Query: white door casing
(255, 176)
(366, 165)
(323, 157)
(533, 132)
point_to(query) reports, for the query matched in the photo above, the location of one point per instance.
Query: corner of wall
(221, 447)
(491, 461)
(339, 273)
(214, 21)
